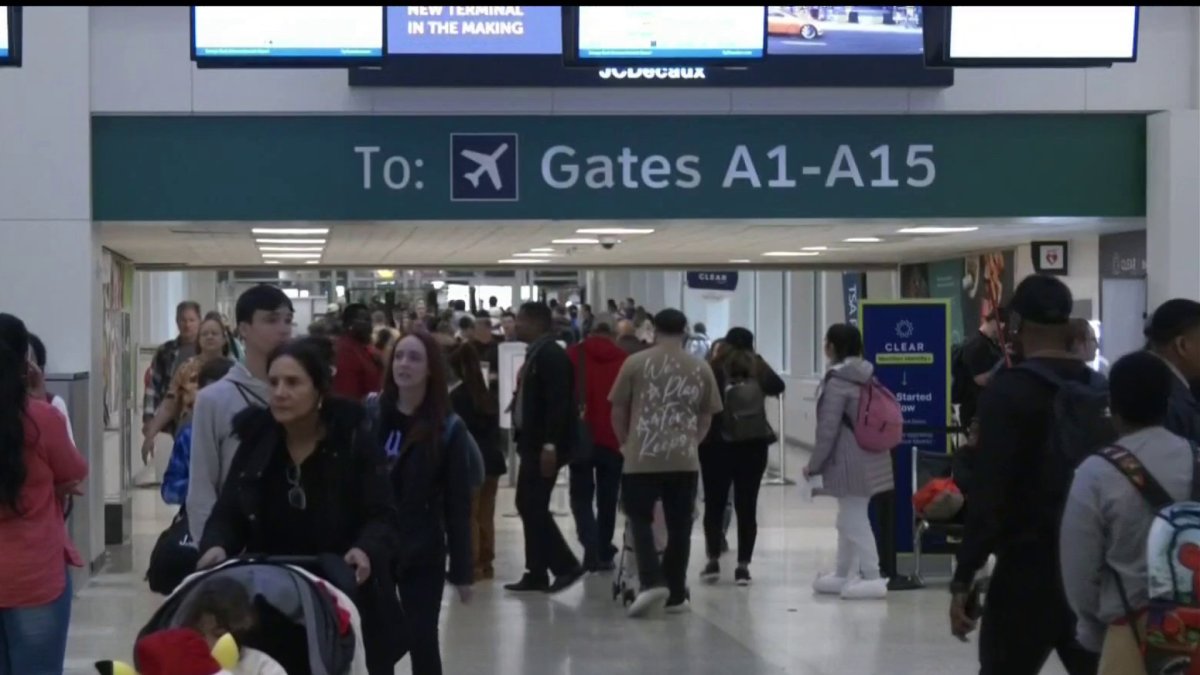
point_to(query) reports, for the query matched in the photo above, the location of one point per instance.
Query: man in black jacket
(1015, 509)
(545, 418)
(1174, 336)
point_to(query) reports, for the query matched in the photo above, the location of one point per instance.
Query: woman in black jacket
(471, 400)
(735, 451)
(429, 452)
(308, 480)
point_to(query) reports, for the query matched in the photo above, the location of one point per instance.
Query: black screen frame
(572, 58)
(937, 47)
(235, 62)
(549, 71)
(13, 60)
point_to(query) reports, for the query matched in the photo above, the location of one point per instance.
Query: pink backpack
(879, 426)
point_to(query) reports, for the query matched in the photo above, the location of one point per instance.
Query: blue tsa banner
(909, 343)
(713, 281)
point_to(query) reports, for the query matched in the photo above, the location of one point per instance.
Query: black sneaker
(528, 584)
(741, 576)
(712, 572)
(564, 581)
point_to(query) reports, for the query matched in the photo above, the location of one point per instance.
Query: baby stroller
(625, 584)
(299, 601)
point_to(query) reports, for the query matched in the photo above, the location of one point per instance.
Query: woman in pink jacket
(38, 466)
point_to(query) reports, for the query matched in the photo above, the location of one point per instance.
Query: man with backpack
(1115, 499)
(1037, 422)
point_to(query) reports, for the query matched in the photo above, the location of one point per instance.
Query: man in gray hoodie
(1107, 520)
(264, 320)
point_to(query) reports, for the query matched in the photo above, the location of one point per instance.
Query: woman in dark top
(471, 400)
(739, 463)
(429, 451)
(308, 479)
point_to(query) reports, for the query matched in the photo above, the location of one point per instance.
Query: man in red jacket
(359, 368)
(596, 481)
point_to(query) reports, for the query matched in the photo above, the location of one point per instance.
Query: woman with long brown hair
(471, 400)
(429, 451)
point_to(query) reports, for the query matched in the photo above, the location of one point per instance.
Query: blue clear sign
(713, 281)
(909, 343)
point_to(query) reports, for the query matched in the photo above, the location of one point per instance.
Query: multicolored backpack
(1170, 642)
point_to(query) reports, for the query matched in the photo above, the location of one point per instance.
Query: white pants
(856, 552)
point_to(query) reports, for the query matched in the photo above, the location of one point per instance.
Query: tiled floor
(776, 626)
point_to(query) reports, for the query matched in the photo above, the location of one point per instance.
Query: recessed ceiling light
(291, 230)
(815, 248)
(863, 240)
(577, 240)
(290, 241)
(271, 262)
(292, 255)
(312, 262)
(936, 230)
(739, 260)
(294, 249)
(522, 261)
(531, 254)
(541, 250)
(789, 254)
(615, 230)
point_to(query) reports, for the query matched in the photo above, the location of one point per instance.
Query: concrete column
(1172, 206)
(49, 252)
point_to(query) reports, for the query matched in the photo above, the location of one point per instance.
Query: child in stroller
(287, 619)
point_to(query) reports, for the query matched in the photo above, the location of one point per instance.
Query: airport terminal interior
(898, 169)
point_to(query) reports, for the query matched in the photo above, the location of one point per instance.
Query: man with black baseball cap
(1014, 513)
(1173, 334)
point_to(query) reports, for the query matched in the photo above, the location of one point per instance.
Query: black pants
(597, 482)
(545, 549)
(1026, 617)
(421, 595)
(740, 466)
(678, 494)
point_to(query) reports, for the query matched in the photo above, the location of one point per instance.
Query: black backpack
(1080, 424)
(745, 415)
(960, 377)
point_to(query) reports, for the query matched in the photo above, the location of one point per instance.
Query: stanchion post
(782, 478)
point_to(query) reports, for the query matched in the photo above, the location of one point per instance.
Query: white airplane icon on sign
(486, 164)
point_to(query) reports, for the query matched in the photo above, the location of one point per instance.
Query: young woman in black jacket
(740, 463)
(471, 400)
(308, 480)
(430, 453)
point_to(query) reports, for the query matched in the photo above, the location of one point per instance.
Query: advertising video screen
(844, 30)
(295, 33)
(475, 30)
(701, 32)
(5, 38)
(1043, 33)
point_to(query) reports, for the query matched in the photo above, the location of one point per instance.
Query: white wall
(1083, 260)
(140, 64)
(49, 253)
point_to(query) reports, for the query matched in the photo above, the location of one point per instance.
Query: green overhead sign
(610, 167)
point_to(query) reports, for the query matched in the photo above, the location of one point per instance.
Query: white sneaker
(650, 600)
(865, 589)
(829, 584)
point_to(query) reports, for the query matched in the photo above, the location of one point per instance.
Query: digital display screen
(1046, 33)
(475, 30)
(662, 32)
(5, 38)
(843, 30)
(295, 32)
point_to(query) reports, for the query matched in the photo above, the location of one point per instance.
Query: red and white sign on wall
(1050, 257)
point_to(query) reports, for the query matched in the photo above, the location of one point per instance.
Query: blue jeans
(33, 640)
(598, 478)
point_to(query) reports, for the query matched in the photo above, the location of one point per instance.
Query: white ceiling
(406, 244)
